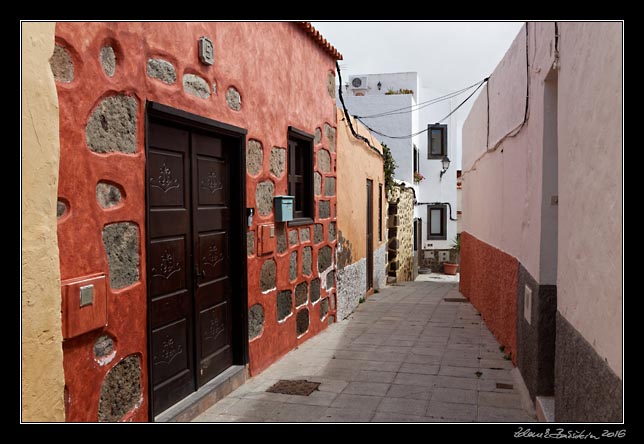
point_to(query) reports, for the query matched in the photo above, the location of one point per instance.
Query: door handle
(199, 274)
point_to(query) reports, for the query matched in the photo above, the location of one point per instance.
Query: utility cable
(348, 118)
(409, 109)
(426, 129)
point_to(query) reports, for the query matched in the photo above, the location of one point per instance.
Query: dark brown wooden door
(190, 190)
(369, 234)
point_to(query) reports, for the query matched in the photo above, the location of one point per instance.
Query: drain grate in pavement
(455, 299)
(299, 387)
(503, 385)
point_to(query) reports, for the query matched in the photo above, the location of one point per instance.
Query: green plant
(456, 244)
(418, 178)
(501, 347)
(478, 374)
(389, 166)
(391, 92)
(361, 300)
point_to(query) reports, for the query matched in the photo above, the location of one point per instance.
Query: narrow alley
(414, 352)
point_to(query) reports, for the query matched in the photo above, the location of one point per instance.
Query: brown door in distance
(369, 234)
(194, 266)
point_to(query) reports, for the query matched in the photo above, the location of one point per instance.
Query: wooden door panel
(212, 179)
(211, 227)
(167, 265)
(169, 350)
(166, 182)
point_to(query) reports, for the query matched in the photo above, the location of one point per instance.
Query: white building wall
(433, 188)
(397, 124)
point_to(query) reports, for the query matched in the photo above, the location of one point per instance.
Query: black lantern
(445, 163)
(379, 85)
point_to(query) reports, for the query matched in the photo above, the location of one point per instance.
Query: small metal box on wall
(284, 208)
(84, 304)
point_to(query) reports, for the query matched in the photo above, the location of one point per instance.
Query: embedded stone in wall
(281, 238)
(324, 258)
(317, 138)
(214, 88)
(330, 134)
(278, 161)
(332, 301)
(195, 85)
(324, 209)
(318, 233)
(331, 319)
(267, 275)
(255, 320)
(108, 60)
(162, 70)
(292, 237)
(324, 307)
(107, 195)
(250, 243)
(292, 269)
(121, 390)
(302, 321)
(61, 208)
(62, 65)
(233, 99)
(331, 231)
(254, 157)
(307, 260)
(103, 346)
(330, 279)
(264, 197)
(329, 186)
(315, 289)
(318, 183)
(301, 296)
(324, 161)
(112, 125)
(330, 84)
(305, 234)
(284, 304)
(121, 242)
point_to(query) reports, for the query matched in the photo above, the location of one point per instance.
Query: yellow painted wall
(42, 354)
(356, 163)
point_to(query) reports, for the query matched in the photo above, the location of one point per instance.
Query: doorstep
(198, 402)
(545, 406)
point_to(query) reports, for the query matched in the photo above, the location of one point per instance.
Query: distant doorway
(369, 234)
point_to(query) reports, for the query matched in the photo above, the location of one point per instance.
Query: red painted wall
(281, 75)
(489, 279)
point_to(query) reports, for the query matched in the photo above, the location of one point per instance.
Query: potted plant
(418, 178)
(451, 267)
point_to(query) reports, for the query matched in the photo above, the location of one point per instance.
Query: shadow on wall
(344, 256)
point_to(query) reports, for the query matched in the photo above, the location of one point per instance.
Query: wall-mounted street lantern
(445, 163)
(379, 85)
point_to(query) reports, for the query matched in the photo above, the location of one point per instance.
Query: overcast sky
(447, 56)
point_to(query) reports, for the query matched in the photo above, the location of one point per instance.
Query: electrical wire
(348, 118)
(481, 83)
(409, 109)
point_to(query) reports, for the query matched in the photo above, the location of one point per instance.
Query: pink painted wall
(590, 283)
(502, 185)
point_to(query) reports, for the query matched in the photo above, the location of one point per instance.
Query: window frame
(443, 128)
(443, 235)
(379, 212)
(299, 137)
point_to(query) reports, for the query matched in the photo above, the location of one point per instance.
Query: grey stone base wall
(431, 259)
(536, 339)
(351, 282)
(586, 389)
(380, 267)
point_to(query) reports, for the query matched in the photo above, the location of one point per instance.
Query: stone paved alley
(407, 354)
